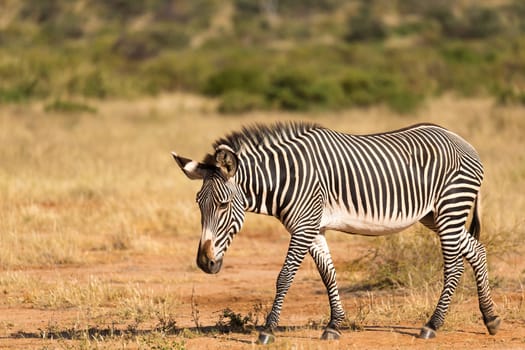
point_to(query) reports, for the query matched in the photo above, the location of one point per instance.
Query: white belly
(341, 220)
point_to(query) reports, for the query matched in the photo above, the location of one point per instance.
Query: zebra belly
(342, 220)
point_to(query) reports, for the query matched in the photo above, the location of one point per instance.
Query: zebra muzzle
(206, 258)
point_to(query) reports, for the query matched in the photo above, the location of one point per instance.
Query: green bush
(289, 90)
(422, 8)
(402, 100)
(475, 23)
(249, 80)
(462, 54)
(136, 46)
(326, 94)
(172, 71)
(365, 26)
(410, 28)
(310, 61)
(481, 22)
(23, 79)
(247, 7)
(89, 85)
(121, 9)
(169, 36)
(363, 88)
(468, 70)
(94, 85)
(285, 92)
(238, 101)
(296, 90)
(148, 43)
(65, 27)
(285, 7)
(40, 11)
(515, 14)
(21, 91)
(300, 90)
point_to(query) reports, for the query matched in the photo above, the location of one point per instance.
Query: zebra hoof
(265, 338)
(330, 334)
(493, 325)
(427, 333)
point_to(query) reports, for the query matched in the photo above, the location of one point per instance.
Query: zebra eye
(223, 205)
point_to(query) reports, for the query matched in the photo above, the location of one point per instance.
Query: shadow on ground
(97, 333)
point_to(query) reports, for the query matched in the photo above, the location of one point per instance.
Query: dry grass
(90, 189)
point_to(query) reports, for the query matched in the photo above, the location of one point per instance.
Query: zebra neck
(259, 186)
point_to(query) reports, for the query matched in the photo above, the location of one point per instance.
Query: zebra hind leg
(453, 270)
(475, 254)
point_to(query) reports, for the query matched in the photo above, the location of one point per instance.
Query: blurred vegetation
(266, 54)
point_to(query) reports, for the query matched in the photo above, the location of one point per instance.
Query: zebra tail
(475, 223)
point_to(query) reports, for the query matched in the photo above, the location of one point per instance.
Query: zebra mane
(259, 133)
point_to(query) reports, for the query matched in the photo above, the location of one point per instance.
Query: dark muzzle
(206, 258)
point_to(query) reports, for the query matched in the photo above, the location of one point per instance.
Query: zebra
(315, 179)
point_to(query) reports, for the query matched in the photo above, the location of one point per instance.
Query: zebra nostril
(214, 265)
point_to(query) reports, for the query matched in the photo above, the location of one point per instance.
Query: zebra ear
(227, 160)
(193, 169)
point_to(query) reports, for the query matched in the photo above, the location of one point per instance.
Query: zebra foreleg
(321, 255)
(476, 255)
(296, 253)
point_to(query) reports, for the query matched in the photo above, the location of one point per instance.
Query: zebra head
(221, 202)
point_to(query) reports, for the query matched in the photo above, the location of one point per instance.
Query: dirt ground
(247, 279)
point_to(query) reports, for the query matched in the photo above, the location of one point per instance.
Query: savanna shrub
(248, 80)
(404, 260)
(297, 90)
(91, 84)
(475, 23)
(136, 46)
(238, 101)
(174, 71)
(19, 92)
(365, 26)
(363, 88)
